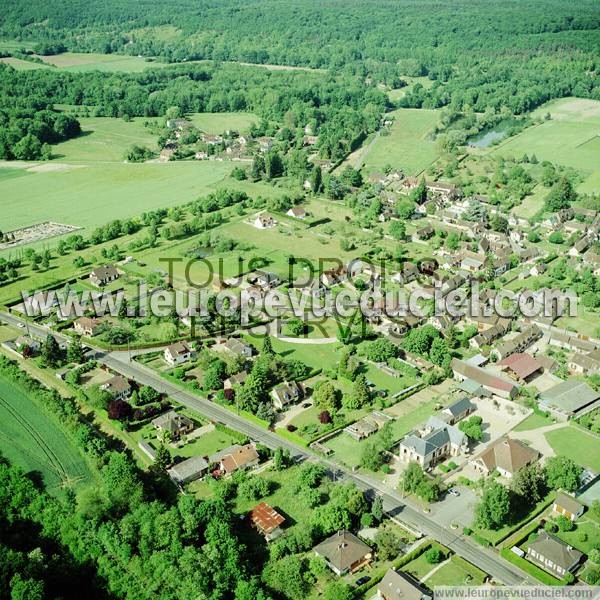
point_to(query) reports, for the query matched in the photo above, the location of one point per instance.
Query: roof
(460, 406)
(239, 458)
(189, 468)
(508, 454)
(297, 211)
(473, 387)
(568, 502)
(397, 586)
(342, 550)
(482, 376)
(117, 384)
(570, 395)
(171, 421)
(521, 364)
(104, 272)
(88, 322)
(235, 345)
(557, 551)
(266, 518)
(178, 348)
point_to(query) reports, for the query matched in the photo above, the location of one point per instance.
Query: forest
(480, 53)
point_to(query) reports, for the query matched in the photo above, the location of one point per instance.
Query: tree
(287, 576)
(296, 327)
(398, 230)
(51, 352)
(562, 473)
(267, 346)
(371, 457)
(338, 590)
(433, 556)
(380, 350)
(561, 195)
(472, 428)
(75, 351)
(493, 510)
(162, 459)
(529, 483)
(377, 508)
(316, 180)
(214, 376)
(388, 543)
(325, 396)
(281, 458)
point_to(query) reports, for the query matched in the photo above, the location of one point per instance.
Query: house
(552, 554)
(173, 424)
(435, 442)
(87, 326)
(520, 366)
(212, 140)
(506, 456)
(264, 221)
(343, 552)
(367, 426)
(178, 353)
(267, 521)
(24, 341)
(396, 585)
(458, 410)
(310, 140)
(179, 124)
(409, 272)
(585, 364)
(446, 191)
(264, 279)
(424, 233)
(234, 380)
(286, 393)
(580, 246)
(496, 384)
(189, 470)
(297, 212)
(519, 343)
(538, 269)
(472, 262)
(235, 457)
(376, 178)
(566, 505)
(166, 154)
(334, 276)
(236, 346)
(118, 387)
(569, 399)
(101, 276)
(265, 143)
(474, 389)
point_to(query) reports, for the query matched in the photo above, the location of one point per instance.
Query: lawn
(584, 526)
(419, 567)
(215, 123)
(457, 572)
(569, 441)
(31, 439)
(408, 146)
(570, 138)
(91, 195)
(533, 421)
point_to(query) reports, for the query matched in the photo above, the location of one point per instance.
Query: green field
(215, 123)
(21, 65)
(457, 572)
(91, 195)
(33, 441)
(571, 138)
(408, 146)
(78, 61)
(569, 441)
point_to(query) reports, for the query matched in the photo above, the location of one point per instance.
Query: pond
(487, 137)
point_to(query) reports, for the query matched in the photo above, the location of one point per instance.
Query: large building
(506, 456)
(343, 552)
(570, 399)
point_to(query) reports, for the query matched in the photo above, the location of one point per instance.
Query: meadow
(33, 441)
(407, 146)
(78, 61)
(214, 123)
(569, 441)
(570, 138)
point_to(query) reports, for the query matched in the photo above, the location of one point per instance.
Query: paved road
(394, 504)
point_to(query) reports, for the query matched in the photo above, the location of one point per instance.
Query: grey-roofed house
(118, 387)
(343, 552)
(174, 424)
(367, 426)
(588, 364)
(189, 470)
(395, 585)
(100, 276)
(570, 399)
(497, 384)
(474, 388)
(458, 410)
(286, 393)
(236, 346)
(519, 343)
(433, 443)
(552, 554)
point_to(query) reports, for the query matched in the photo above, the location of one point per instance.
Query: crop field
(571, 138)
(20, 64)
(407, 146)
(31, 440)
(78, 61)
(215, 123)
(93, 194)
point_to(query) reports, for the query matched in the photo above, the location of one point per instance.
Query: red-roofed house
(520, 365)
(267, 521)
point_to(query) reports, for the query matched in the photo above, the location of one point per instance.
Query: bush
(433, 556)
(565, 524)
(550, 527)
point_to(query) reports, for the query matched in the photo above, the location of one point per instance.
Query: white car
(21, 325)
(453, 492)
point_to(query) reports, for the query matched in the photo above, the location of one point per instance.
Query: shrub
(550, 527)
(433, 556)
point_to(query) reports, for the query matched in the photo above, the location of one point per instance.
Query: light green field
(396, 94)
(457, 572)
(20, 64)
(30, 439)
(570, 138)
(215, 123)
(104, 139)
(569, 441)
(408, 146)
(91, 195)
(78, 61)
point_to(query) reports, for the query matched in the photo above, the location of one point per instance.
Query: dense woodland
(480, 53)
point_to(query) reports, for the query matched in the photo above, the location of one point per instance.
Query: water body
(487, 137)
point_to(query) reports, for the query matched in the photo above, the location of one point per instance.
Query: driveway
(458, 510)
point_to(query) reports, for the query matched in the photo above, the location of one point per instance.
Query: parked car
(453, 492)
(363, 580)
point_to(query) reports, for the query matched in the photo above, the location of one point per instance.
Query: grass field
(91, 195)
(569, 441)
(33, 441)
(408, 146)
(78, 61)
(570, 138)
(457, 572)
(533, 421)
(215, 123)
(21, 65)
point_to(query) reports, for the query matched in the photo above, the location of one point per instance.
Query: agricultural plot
(33, 441)
(215, 123)
(90, 195)
(408, 146)
(571, 138)
(78, 61)
(21, 65)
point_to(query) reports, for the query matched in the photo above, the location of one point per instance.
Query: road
(484, 558)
